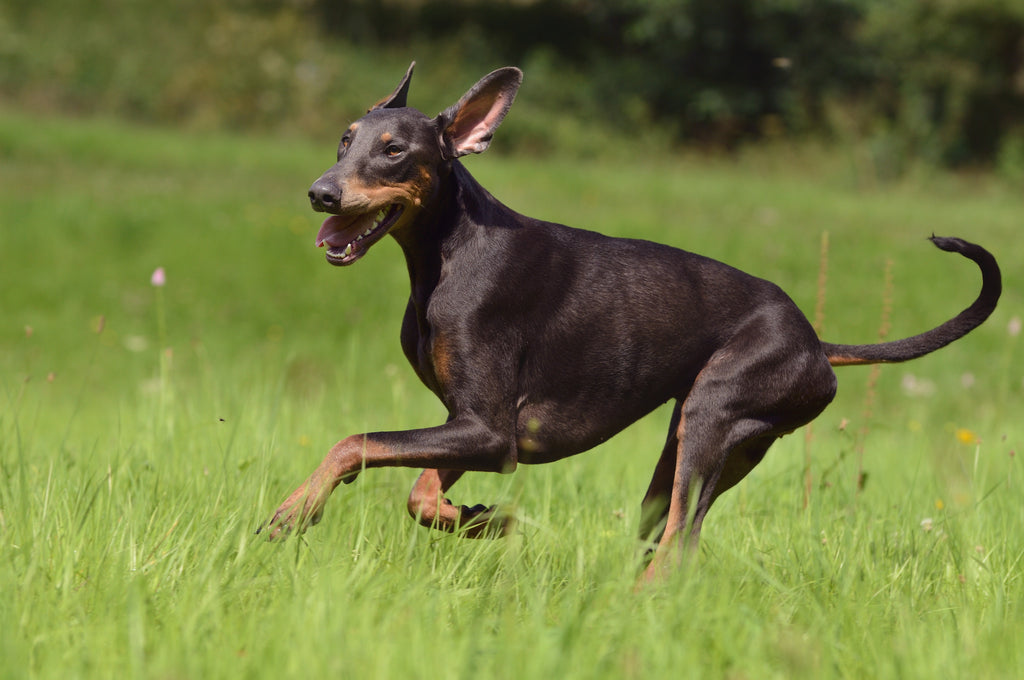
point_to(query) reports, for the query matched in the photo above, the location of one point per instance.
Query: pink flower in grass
(159, 278)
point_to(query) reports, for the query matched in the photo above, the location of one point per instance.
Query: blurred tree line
(941, 80)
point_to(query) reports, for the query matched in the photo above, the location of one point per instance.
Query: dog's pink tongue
(338, 231)
(329, 232)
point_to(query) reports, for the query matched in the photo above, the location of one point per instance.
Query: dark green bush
(949, 76)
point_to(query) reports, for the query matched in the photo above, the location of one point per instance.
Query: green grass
(135, 463)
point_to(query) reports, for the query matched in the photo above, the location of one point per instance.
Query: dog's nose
(324, 195)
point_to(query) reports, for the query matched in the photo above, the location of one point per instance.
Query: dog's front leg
(428, 505)
(305, 505)
(460, 444)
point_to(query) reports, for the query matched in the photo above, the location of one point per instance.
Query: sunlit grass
(146, 431)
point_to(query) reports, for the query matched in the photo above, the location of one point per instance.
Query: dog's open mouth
(348, 237)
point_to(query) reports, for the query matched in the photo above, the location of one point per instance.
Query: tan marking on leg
(346, 460)
(428, 505)
(669, 553)
(304, 507)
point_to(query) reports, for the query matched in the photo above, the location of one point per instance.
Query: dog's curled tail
(940, 336)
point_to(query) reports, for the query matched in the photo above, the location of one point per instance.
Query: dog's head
(391, 159)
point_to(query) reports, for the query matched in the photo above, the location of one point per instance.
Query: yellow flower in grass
(965, 436)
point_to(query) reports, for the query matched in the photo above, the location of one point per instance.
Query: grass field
(145, 432)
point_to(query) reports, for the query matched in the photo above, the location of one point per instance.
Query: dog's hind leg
(710, 458)
(750, 394)
(654, 507)
(429, 506)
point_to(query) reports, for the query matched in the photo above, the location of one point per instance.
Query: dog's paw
(301, 510)
(481, 521)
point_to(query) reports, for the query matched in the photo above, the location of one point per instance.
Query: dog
(543, 340)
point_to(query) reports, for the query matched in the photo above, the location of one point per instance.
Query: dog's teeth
(367, 232)
(348, 249)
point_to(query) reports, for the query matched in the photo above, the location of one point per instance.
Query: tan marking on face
(412, 194)
(386, 137)
(353, 127)
(425, 182)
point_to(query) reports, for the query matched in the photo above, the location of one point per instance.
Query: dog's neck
(461, 212)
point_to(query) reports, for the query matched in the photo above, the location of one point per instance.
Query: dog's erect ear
(396, 100)
(467, 126)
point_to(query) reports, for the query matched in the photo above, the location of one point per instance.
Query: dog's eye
(392, 150)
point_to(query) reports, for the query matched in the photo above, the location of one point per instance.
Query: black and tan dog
(544, 341)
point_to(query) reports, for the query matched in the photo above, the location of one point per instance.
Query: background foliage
(937, 80)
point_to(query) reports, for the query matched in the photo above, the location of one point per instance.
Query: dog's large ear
(396, 100)
(467, 127)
